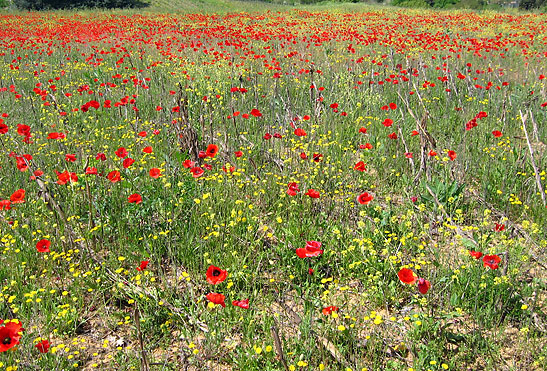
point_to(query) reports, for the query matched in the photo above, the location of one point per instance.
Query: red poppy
(256, 113)
(212, 150)
(5, 205)
(100, 156)
(267, 136)
(497, 133)
(188, 164)
(363, 130)
(312, 193)
(423, 286)
(392, 136)
(407, 276)
(114, 176)
(23, 130)
(414, 133)
(216, 298)
(409, 155)
(328, 310)
(196, 172)
(154, 173)
(300, 132)
(303, 156)
(135, 198)
(364, 198)
(241, 303)
(3, 128)
(142, 134)
(43, 245)
(312, 249)
(387, 122)
(317, 157)
(215, 275)
(43, 346)
(499, 227)
(475, 254)
(238, 153)
(18, 197)
(293, 189)
(10, 334)
(121, 152)
(91, 170)
(491, 261)
(393, 106)
(70, 157)
(432, 153)
(127, 162)
(53, 136)
(143, 265)
(360, 166)
(452, 155)
(202, 154)
(147, 149)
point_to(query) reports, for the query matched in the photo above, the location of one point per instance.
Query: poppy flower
(256, 113)
(142, 134)
(114, 176)
(432, 153)
(499, 227)
(147, 149)
(216, 298)
(5, 205)
(393, 106)
(409, 155)
(207, 166)
(121, 152)
(300, 132)
(312, 249)
(312, 193)
(387, 122)
(293, 189)
(10, 334)
(43, 245)
(392, 136)
(127, 162)
(452, 155)
(241, 303)
(18, 197)
(423, 286)
(91, 170)
(364, 198)
(154, 173)
(23, 130)
(407, 276)
(43, 346)
(475, 254)
(202, 154)
(196, 172)
(306, 117)
(143, 265)
(363, 130)
(135, 198)
(317, 157)
(414, 133)
(215, 275)
(360, 166)
(267, 136)
(3, 128)
(303, 156)
(491, 261)
(328, 310)
(188, 164)
(70, 157)
(100, 156)
(277, 135)
(238, 153)
(497, 133)
(212, 150)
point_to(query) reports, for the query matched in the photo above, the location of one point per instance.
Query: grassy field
(268, 188)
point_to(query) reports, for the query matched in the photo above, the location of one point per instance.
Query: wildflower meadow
(280, 188)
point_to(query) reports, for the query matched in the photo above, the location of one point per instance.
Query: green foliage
(68, 4)
(532, 4)
(3, 3)
(411, 3)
